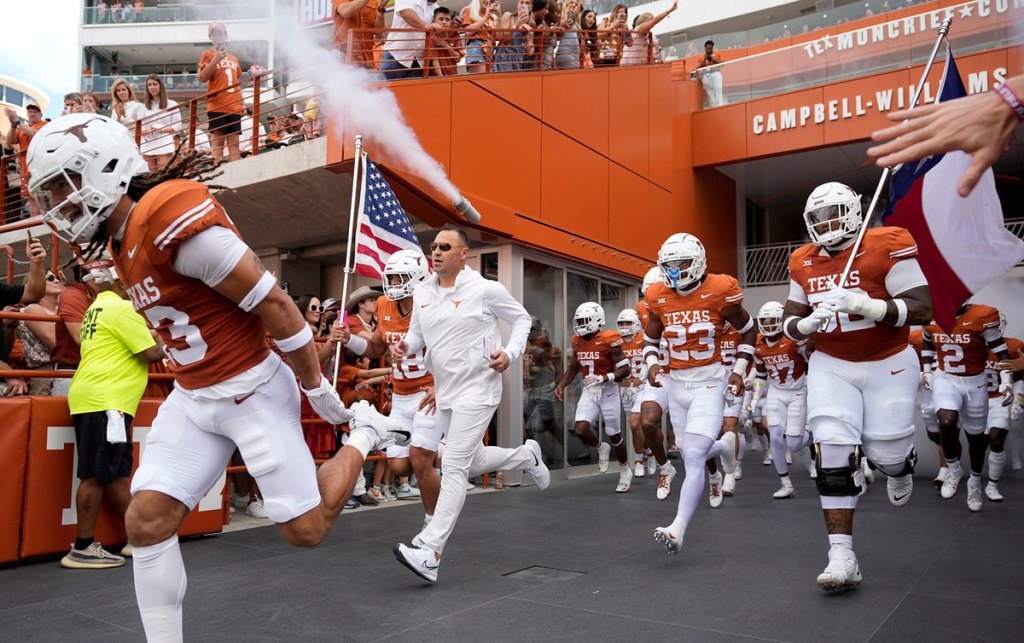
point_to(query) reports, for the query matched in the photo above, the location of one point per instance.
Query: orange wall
(590, 164)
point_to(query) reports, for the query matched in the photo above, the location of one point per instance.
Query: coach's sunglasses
(444, 247)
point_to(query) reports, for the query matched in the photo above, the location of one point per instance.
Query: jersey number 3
(181, 330)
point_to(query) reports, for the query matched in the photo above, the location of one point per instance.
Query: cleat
(538, 470)
(665, 483)
(729, 485)
(950, 484)
(672, 540)
(767, 460)
(842, 572)
(715, 491)
(382, 430)
(786, 490)
(92, 557)
(420, 561)
(738, 474)
(900, 488)
(650, 466)
(992, 492)
(975, 497)
(603, 451)
(638, 469)
(729, 455)
(625, 478)
(940, 477)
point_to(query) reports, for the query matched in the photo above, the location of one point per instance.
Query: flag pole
(943, 32)
(355, 215)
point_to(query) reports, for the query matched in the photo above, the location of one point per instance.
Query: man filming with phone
(711, 75)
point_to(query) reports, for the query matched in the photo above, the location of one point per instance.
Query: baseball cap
(34, 106)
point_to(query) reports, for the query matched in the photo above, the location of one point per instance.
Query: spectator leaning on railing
(20, 134)
(357, 14)
(612, 36)
(482, 15)
(160, 121)
(404, 51)
(446, 46)
(643, 47)
(224, 105)
(711, 75)
(10, 295)
(39, 337)
(570, 39)
(117, 348)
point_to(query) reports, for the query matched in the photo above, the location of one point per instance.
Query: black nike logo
(898, 498)
(536, 462)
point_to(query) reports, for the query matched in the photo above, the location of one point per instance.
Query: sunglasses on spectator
(316, 308)
(51, 277)
(444, 247)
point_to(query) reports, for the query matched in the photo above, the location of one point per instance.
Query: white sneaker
(603, 451)
(240, 501)
(625, 478)
(842, 572)
(975, 497)
(786, 490)
(728, 456)
(940, 477)
(729, 485)
(951, 483)
(382, 430)
(650, 466)
(665, 483)
(420, 560)
(715, 490)
(992, 492)
(738, 473)
(900, 488)
(767, 460)
(255, 509)
(470, 486)
(538, 470)
(638, 469)
(670, 538)
(407, 492)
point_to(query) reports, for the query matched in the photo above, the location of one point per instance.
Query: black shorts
(98, 458)
(222, 123)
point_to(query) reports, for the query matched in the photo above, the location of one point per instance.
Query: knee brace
(837, 481)
(904, 469)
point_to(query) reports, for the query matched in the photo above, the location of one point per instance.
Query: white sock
(360, 441)
(427, 518)
(666, 468)
(953, 466)
(996, 461)
(160, 584)
(841, 542)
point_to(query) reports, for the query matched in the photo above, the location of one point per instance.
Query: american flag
(383, 229)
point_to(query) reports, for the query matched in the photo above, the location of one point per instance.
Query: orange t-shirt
(448, 61)
(71, 307)
(484, 33)
(362, 42)
(223, 93)
(23, 142)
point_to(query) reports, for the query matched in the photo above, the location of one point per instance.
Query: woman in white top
(123, 106)
(642, 48)
(161, 119)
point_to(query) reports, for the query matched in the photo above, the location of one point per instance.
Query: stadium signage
(311, 13)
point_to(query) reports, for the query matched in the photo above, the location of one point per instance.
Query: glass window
(542, 361)
(14, 97)
(613, 301)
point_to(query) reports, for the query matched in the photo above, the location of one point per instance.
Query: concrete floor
(932, 571)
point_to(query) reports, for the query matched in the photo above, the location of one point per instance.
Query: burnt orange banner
(13, 455)
(49, 516)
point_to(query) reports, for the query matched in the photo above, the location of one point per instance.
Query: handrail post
(193, 117)
(255, 140)
(138, 132)
(4, 163)
(427, 44)
(54, 254)
(650, 48)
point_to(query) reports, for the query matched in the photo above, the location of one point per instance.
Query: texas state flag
(962, 242)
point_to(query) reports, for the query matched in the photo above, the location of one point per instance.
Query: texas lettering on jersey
(592, 354)
(853, 337)
(964, 351)
(727, 344)
(410, 375)
(1013, 346)
(634, 352)
(783, 359)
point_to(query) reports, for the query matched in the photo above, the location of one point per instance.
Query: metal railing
(167, 12)
(768, 264)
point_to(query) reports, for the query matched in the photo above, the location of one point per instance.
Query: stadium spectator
(711, 75)
(570, 40)
(39, 337)
(71, 307)
(127, 12)
(72, 103)
(311, 309)
(90, 103)
(138, 11)
(221, 72)
(245, 136)
(547, 30)
(20, 134)
(361, 307)
(33, 289)
(117, 348)
(357, 14)
(124, 107)
(479, 44)
(101, 12)
(313, 120)
(612, 36)
(588, 24)
(643, 47)
(160, 121)
(404, 51)
(115, 11)
(446, 46)
(514, 37)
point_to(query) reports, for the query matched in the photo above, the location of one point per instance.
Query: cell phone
(28, 233)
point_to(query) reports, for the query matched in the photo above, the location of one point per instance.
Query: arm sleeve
(210, 255)
(904, 275)
(130, 329)
(796, 293)
(504, 306)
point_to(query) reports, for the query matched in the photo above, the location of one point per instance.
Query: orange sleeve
(204, 60)
(733, 292)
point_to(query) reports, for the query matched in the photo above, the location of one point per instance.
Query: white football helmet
(629, 323)
(682, 261)
(838, 206)
(81, 166)
(1002, 323)
(588, 318)
(410, 267)
(769, 319)
(653, 276)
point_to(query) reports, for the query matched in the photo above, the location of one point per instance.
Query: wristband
(357, 344)
(740, 367)
(653, 360)
(747, 326)
(901, 312)
(1005, 377)
(296, 341)
(745, 348)
(998, 349)
(1011, 99)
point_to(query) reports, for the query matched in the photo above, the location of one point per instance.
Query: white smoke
(354, 101)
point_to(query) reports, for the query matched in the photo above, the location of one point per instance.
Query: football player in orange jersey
(999, 416)
(598, 353)
(863, 376)
(925, 405)
(413, 399)
(628, 323)
(212, 302)
(960, 390)
(654, 405)
(733, 417)
(781, 364)
(688, 307)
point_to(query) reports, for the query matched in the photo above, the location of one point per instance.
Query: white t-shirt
(156, 142)
(408, 47)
